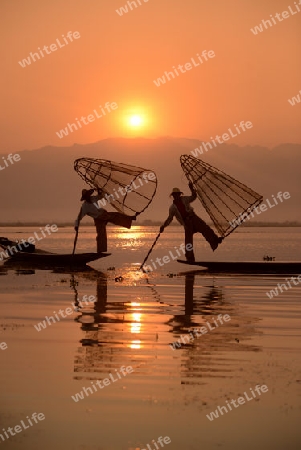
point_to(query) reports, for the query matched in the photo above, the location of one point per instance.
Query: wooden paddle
(151, 249)
(75, 241)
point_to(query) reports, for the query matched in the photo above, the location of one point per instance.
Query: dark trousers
(193, 224)
(101, 227)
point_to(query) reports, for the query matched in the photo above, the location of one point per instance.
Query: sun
(136, 121)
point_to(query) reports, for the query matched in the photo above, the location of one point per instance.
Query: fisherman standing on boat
(101, 217)
(183, 212)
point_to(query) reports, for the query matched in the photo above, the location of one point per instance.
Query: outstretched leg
(101, 222)
(117, 219)
(199, 226)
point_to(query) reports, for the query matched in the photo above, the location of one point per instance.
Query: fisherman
(183, 212)
(101, 217)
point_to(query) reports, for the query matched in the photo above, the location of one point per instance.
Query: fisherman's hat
(176, 191)
(86, 193)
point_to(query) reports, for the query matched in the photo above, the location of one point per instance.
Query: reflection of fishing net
(128, 189)
(227, 201)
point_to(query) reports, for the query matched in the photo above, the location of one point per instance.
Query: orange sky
(117, 58)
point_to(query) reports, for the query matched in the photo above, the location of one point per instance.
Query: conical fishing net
(227, 201)
(128, 189)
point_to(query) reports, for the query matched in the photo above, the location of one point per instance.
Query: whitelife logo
(166, 440)
(124, 9)
(198, 332)
(68, 311)
(3, 345)
(185, 67)
(31, 240)
(287, 286)
(243, 126)
(17, 429)
(280, 17)
(166, 259)
(259, 209)
(295, 100)
(240, 400)
(10, 160)
(53, 48)
(106, 381)
(90, 118)
(147, 176)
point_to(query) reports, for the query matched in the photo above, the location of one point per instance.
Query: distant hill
(44, 187)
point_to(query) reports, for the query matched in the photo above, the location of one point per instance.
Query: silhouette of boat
(19, 253)
(259, 267)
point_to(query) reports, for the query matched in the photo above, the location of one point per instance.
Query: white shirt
(90, 209)
(174, 212)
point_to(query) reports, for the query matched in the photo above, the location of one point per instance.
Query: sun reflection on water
(135, 323)
(135, 344)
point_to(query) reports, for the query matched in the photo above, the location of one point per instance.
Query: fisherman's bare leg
(101, 222)
(189, 254)
(117, 219)
(199, 226)
(101, 238)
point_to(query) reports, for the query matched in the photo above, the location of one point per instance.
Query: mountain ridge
(43, 186)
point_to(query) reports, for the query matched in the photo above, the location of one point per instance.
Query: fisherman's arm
(99, 196)
(193, 193)
(168, 220)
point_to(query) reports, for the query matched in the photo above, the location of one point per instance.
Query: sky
(116, 58)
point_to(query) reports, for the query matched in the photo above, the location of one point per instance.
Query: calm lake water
(132, 323)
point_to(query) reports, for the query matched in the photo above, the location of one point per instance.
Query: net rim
(112, 164)
(211, 169)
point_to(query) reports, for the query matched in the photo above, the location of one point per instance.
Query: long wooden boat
(260, 267)
(38, 257)
(42, 257)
